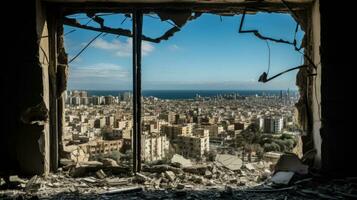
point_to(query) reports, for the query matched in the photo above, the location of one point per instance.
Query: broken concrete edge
(291, 163)
(124, 190)
(230, 162)
(83, 171)
(37, 114)
(182, 161)
(302, 187)
(282, 177)
(161, 168)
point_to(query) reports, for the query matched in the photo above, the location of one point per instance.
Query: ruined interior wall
(42, 32)
(62, 76)
(24, 141)
(303, 81)
(316, 82)
(33, 141)
(309, 82)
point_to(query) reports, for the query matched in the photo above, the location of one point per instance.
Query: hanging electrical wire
(69, 32)
(258, 35)
(296, 17)
(264, 77)
(124, 20)
(268, 56)
(85, 47)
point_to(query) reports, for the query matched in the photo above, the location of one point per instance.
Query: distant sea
(191, 94)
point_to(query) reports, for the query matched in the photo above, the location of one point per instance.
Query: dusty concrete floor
(86, 188)
(162, 181)
(195, 193)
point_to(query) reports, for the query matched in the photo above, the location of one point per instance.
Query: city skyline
(191, 59)
(192, 128)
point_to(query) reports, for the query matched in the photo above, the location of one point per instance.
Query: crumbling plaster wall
(316, 82)
(62, 76)
(309, 82)
(32, 138)
(44, 55)
(333, 130)
(24, 140)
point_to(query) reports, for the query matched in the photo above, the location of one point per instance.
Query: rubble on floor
(211, 180)
(282, 178)
(229, 161)
(181, 160)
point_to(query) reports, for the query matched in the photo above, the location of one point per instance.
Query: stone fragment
(228, 161)
(170, 175)
(282, 178)
(183, 162)
(100, 174)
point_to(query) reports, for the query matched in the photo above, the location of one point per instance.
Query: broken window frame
(59, 64)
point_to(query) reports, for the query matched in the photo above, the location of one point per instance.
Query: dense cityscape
(249, 127)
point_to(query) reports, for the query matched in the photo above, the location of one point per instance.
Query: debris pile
(227, 177)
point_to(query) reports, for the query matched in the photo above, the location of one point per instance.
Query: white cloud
(98, 71)
(122, 49)
(147, 48)
(103, 44)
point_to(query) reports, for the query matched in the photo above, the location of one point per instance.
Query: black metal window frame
(136, 137)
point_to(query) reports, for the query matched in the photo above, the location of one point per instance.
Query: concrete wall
(316, 85)
(44, 56)
(24, 141)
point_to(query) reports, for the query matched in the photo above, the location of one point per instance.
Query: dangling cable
(85, 47)
(268, 56)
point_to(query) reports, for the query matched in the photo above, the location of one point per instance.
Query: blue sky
(208, 53)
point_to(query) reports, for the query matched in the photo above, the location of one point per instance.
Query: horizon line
(187, 89)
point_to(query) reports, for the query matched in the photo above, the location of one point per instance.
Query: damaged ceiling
(182, 1)
(178, 12)
(222, 7)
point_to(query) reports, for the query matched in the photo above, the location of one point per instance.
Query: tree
(116, 155)
(271, 147)
(281, 144)
(254, 128)
(266, 139)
